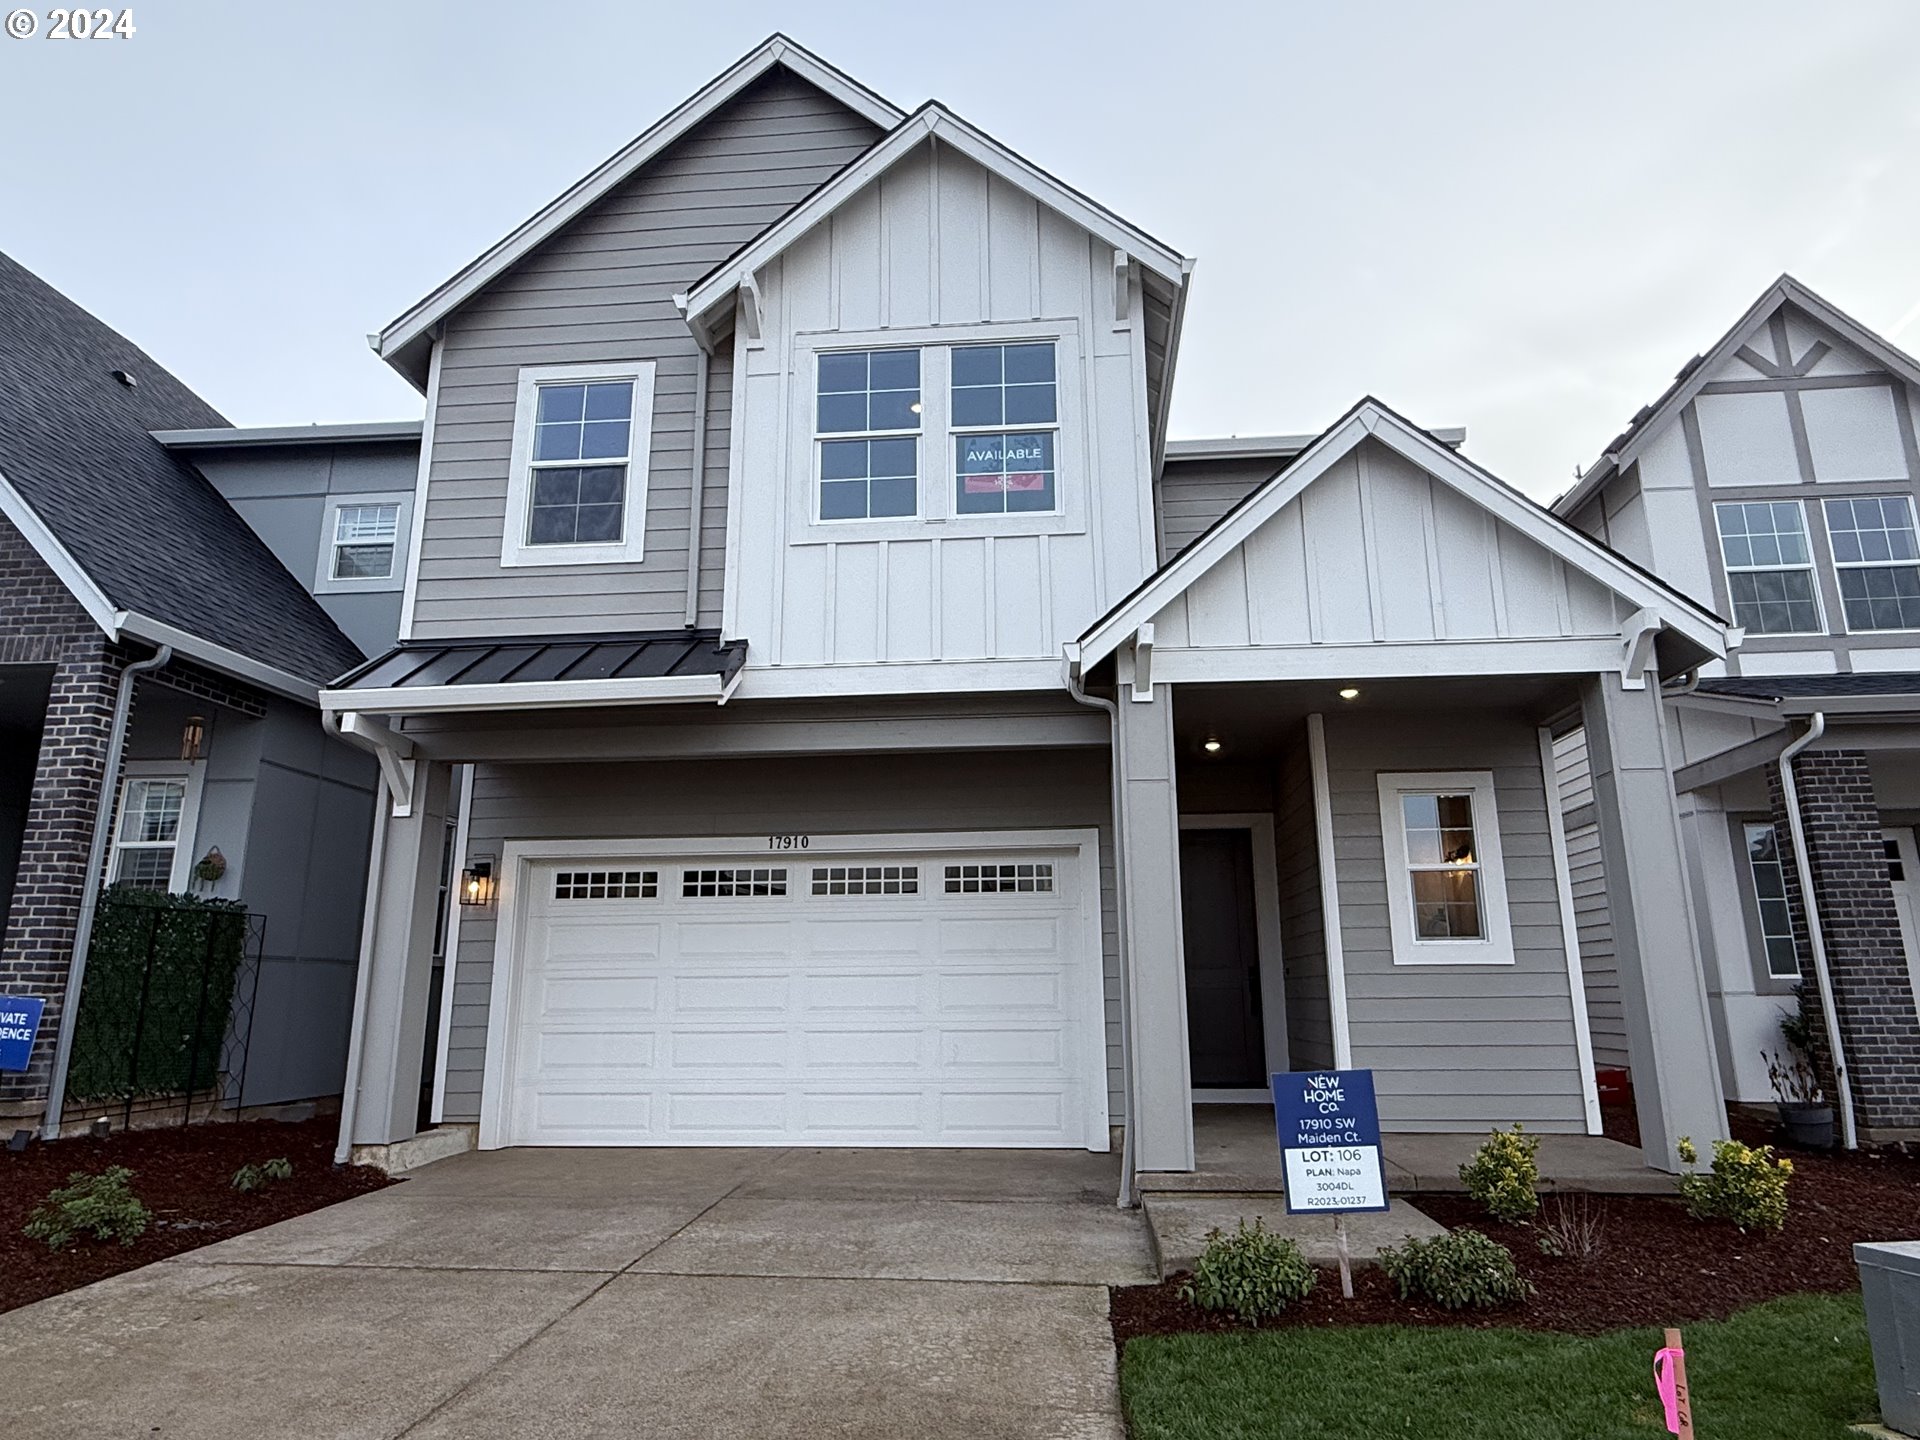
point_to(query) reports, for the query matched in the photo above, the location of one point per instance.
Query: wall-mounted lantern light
(476, 883)
(193, 738)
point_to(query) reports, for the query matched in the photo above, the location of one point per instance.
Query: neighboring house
(847, 745)
(1777, 480)
(114, 551)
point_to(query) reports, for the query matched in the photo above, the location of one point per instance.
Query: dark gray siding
(602, 290)
(1193, 494)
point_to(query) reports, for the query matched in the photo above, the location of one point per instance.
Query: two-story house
(862, 728)
(173, 593)
(1776, 480)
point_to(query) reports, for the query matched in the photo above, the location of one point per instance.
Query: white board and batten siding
(937, 251)
(601, 291)
(1378, 550)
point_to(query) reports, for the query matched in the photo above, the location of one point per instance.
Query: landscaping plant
(1572, 1227)
(254, 1177)
(1747, 1186)
(1503, 1173)
(102, 1206)
(1457, 1271)
(1252, 1272)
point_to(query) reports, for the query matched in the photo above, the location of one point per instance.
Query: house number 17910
(789, 842)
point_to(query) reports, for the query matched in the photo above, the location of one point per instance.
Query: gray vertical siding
(1303, 934)
(1455, 1046)
(1193, 494)
(601, 290)
(839, 794)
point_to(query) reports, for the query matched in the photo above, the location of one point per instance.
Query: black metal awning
(545, 660)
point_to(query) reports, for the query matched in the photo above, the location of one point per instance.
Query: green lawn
(1792, 1369)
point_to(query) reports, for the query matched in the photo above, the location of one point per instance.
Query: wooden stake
(1684, 1403)
(1346, 1259)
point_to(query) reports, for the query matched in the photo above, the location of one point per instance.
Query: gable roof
(1370, 418)
(405, 341)
(931, 121)
(144, 542)
(1622, 449)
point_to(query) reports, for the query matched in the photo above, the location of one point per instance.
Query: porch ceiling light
(1351, 692)
(1211, 745)
(476, 883)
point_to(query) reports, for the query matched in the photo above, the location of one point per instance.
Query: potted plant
(1804, 1112)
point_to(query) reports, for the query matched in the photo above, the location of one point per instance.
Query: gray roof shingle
(147, 528)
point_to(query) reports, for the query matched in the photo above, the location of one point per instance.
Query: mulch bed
(185, 1177)
(1657, 1266)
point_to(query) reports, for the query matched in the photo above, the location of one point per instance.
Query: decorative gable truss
(1381, 552)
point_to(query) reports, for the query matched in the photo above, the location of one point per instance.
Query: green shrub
(1458, 1271)
(1252, 1272)
(102, 1206)
(255, 1177)
(1747, 1186)
(1502, 1175)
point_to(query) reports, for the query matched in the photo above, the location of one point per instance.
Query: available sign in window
(1330, 1141)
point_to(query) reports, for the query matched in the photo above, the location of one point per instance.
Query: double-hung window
(155, 824)
(1770, 897)
(1446, 882)
(1763, 544)
(1005, 416)
(1877, 561)
(867, 427)
(364, 538)
(577, 484)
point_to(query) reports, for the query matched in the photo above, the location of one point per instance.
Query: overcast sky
(1519, 217)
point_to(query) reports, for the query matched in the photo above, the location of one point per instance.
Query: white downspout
(369, 915)
(90, 889)
(1816, 937)
(1077, 690)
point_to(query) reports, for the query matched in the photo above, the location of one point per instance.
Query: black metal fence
(166, 1008)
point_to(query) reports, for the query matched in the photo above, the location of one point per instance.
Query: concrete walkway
(663, 1293)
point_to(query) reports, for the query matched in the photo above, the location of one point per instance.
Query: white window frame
(1841, 566)
(324, 582)
(183, 837)
(955, 432)
(822, 438)
(1729, 571)
(1779, 861)
(515, 550)
(1495, 946)
(937, 515)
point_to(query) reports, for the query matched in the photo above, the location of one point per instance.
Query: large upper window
(577, 486)
(1770, 895)
(1877, 561)
(998, 468)
(1769, 567)
(873, 395)
(1446, 886)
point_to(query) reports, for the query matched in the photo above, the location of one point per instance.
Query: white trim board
(528, 695)
(631, 548)
(1503, 503)
(450, 961)
(1266, 925)
(519, 856)
(1335, 943)
(397, 343)
(1570, 934)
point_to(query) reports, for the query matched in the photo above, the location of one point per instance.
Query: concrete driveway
(655, 1293)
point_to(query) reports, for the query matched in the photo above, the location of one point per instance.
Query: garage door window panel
(606, 885)
(866, 880)
(733, 884)
(1029, 877)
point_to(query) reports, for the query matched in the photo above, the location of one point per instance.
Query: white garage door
(935, 998)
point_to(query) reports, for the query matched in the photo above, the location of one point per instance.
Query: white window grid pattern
(606, 885)
(580, 461)
(1466, 864)
(1876, 560)
(877, 468)
(958, 434)
(149, 832)
(365, 538)
(1769, 566)
(866, 880)
(1769, 875)
(1024, 877)
(733, 883)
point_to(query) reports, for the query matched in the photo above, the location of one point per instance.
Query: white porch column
(1162, 1089)
(1663, 990)
(397, 964)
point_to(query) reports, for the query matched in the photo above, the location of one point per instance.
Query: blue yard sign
(1329, 1141)
(19, 1020)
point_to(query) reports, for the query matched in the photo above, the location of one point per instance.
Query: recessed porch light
(1350, 693)
(1211, 745)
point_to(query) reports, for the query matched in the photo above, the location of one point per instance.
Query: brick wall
(1866, 958)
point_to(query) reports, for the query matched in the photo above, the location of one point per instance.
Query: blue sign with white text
(19, 1021)
(1329, 1141)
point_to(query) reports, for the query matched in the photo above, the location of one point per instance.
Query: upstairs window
(875, 395)
(1763, 544)
(1877, 561)
(364, 538)
(1005, 413)
(577, 484)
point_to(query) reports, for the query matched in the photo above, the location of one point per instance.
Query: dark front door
(1224, 1033)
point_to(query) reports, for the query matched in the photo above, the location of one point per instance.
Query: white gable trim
(57, 558)
(930, 121)
(1504, 504)
(399, 337)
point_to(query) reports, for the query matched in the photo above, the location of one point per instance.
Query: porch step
(1178, 1225)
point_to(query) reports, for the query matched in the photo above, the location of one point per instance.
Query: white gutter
(1816, 937)
(1077, 689)
(90, 891)
(524, 695)
(218, 657)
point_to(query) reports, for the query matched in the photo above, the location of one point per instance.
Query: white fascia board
(412, 326)
(215, 656)
(548, 695)
(1385, 660)
(57, 558)
(234, 437)
(1275, 447)
(919, 677)
(939, 123)
(1504, 504)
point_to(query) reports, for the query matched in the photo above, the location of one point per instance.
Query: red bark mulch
(185, 1177)
(1656, 1265)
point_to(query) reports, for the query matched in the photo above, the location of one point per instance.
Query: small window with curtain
(1876, 560)
(364, 538)
(1005, 416)
(867, 427)
(148, 834)
(1763, 544)
(1446, 883)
